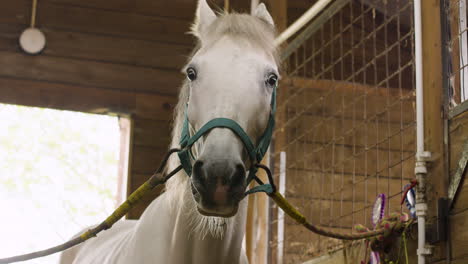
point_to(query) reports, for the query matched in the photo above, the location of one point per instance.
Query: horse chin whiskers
(201, 225)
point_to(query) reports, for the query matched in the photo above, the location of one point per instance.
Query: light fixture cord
(33, 13)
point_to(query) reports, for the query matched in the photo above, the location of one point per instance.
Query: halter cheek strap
(256, 154)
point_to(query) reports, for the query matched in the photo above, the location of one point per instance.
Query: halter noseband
(256, 153)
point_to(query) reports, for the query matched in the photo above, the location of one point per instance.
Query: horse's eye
(272, 80)
(191, 74)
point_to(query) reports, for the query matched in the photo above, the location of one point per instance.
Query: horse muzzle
(218, 185)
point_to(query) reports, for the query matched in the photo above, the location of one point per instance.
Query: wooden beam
(86, 99)
(433, 102)
(98, 21)
(103, 48)
(180, 9)
(437, 177)
(89, 73)
(279, 11)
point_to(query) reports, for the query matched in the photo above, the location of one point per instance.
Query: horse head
(231, 75)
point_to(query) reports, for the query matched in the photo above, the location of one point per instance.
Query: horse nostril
(198, 174)
(238, 175)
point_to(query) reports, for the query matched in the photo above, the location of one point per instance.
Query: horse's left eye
(272, 80)
(191, 74)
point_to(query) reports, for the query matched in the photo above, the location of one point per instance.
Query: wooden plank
(317, 186)
(136, 181)
(279, 11)
(352, 132)
(462, 260)
(151, 133)
(66, 97)
(181, 9)
(344, 158)
(86, 99)
(300, 249)
(145, 160)
(458, 134)
(329, 98)
(433, 101)
(459, 235)
(461, 200)
(333, 214)
(437, 177)
(154, 106)
(102, 48)
(250, 227)
(89, 73)
(99, 21)
(257, 224)
(16, 12)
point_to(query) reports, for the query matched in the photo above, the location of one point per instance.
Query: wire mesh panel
(347, 120)
(455, 35)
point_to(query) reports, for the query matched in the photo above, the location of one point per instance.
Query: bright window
(59, 173)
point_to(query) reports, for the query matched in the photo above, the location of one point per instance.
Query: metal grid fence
(346, 121)
(455, 38)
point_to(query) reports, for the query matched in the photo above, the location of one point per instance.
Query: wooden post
(257, 223)
(279, 11)
(433, 101)
(126, 125)
(437, 178)
(226, 6)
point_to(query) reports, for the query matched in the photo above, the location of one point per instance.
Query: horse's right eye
(191, 74)
(272, 80)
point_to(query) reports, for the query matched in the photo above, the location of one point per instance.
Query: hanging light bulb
(32, 40)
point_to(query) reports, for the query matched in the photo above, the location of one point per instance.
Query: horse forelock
(241, 27)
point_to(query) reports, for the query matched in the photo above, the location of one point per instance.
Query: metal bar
(313, 27)
(282, 189)
(300, 22)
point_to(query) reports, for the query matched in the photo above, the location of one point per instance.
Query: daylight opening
(60, 172)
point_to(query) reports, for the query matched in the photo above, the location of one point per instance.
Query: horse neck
(196, 236)
(169, 230)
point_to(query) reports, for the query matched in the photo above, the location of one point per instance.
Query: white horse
(200, 219)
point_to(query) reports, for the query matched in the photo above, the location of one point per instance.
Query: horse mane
(242, 27)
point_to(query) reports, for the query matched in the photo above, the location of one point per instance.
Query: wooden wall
(458, 234)
(120, 57)
(345, 143)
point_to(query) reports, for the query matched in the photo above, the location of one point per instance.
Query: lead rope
(158, 178)
(270, 190)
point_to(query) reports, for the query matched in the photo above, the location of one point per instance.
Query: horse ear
(203, 18)
(262, 13)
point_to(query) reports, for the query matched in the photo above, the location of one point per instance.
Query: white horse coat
(235, 54)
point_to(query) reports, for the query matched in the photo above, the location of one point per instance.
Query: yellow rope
(145, 189)
(121, 211)
(296, 215)
(288, 208)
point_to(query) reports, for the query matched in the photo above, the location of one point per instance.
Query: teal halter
(256, 154)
